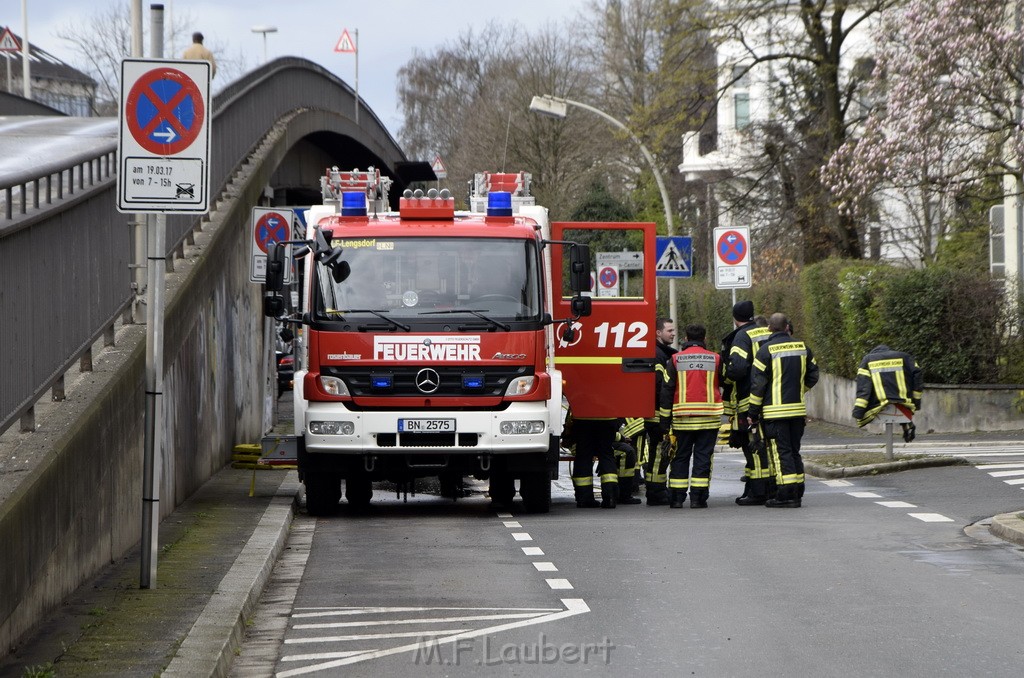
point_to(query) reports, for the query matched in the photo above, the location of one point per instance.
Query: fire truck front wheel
(323, 492)
(358, 491)
(535, 489)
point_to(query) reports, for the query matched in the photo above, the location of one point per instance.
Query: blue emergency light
(499, 204)
(353, 204)
(381, 381)
(473, 381)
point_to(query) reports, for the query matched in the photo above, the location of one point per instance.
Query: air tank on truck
(442, 343)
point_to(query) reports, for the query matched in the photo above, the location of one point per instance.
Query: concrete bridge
(72, 361)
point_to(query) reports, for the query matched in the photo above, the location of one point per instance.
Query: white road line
(985, 467)
(336, 611)
(865, 495)
(974, 454)
(1006, 474)
(522, 536)
(931, 517)
(837, 483)
(424, 620)
(573, 607)
(896, 504)
(367, 636)
(559, 584)
(545, 567)
(511, 523)
(320, 656)
(1015, 481)
(504, 515)
(533, 551)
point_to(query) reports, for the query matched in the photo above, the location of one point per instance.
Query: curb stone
(830, 472)
(1009, 526)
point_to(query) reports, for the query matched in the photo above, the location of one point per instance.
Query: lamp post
(264, 30)
(557, 107)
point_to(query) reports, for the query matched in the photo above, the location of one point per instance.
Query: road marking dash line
(522, 536)
(533, 551)
(896, 504)
(865, 495)
(545, 567)
(559, 584)
(931, 517)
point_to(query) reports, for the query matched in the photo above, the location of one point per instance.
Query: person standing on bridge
(197, 52)
(783, 371)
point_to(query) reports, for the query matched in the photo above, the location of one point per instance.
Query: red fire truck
(442, 342)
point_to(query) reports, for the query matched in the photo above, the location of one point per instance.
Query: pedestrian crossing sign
(674, 256)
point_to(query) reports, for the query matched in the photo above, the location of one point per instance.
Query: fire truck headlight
(509, 428)
(333, 386)
(332, 428)
(520, 386)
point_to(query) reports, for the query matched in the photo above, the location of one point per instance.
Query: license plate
(426, 425)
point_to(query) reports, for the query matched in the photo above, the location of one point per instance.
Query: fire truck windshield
(412, 276)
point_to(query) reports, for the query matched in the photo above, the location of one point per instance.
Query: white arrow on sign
(168, 135)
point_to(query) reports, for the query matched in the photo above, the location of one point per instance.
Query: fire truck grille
(427, 440)
(459, 381)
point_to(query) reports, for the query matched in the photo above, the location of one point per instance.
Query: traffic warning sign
(674, 256)
(346, 45)
(9, 43)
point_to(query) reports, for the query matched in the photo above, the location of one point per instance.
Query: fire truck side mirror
(275, 267)
(273, 306)
(581, 306)
(579, 267)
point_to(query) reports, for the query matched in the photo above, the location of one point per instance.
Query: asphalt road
(874, 576)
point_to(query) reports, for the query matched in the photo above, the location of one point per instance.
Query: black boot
(676, 498)
(609, 493)
(657, 495)
(585, 497)
(786, 497)
(754, 494)
(626, 491)
(698, 498)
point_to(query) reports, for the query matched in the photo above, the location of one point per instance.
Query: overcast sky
(389, 31)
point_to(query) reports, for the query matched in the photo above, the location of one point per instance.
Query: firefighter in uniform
(887, 377)
(627, 456)
(653, 455)
(738, 350)
(784, 369)
(595, 438)
(694, 396)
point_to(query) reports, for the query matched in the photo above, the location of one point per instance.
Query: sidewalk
(216, 552)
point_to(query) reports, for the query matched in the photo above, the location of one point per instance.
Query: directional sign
(624, 261)
(732, 257)
(674, 256)
(164, 144)
(268, 224)
(9, 43)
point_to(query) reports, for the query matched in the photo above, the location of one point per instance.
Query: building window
(741, 109)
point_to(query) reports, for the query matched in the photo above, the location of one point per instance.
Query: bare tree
(105, 39)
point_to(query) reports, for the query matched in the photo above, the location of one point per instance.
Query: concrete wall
(77, 507)
(944, 409)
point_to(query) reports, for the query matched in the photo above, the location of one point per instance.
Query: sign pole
(156, 267)
(357, 75)
(26, 82)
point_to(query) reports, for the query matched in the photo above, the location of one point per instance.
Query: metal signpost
(164, 150)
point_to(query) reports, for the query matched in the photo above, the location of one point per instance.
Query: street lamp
(557, 107)
(264, 30)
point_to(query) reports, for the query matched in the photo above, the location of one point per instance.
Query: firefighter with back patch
(887, 377)
(784, 369)
(694, 394)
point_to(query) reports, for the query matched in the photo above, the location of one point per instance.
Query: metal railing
(66, 253)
